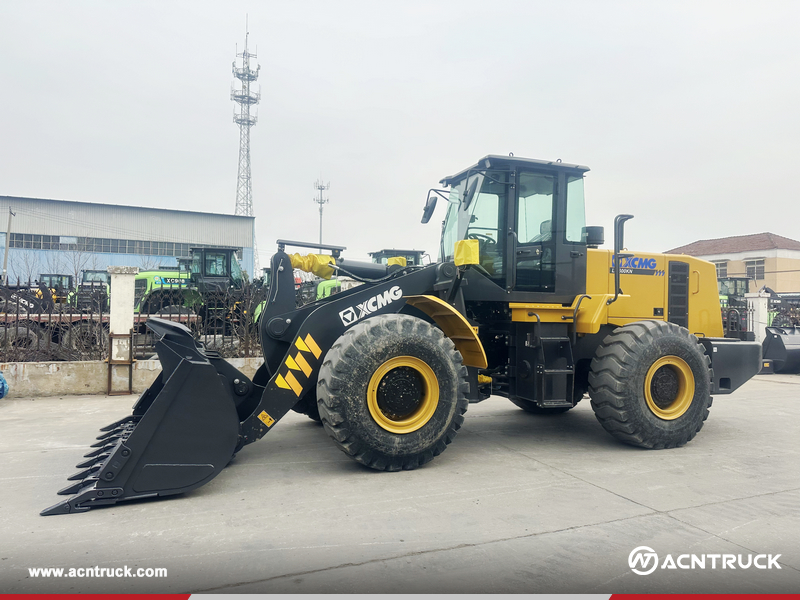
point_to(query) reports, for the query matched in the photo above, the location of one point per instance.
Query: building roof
(737, 243)
(41, 216)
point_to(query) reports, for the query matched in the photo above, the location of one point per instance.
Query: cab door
(535, 252)
(549, 253)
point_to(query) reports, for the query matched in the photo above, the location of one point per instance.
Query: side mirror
(430, 206)
(470, 193)
(594, 236)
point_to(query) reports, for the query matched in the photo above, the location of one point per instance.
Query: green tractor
(203, 281)
(93, 292)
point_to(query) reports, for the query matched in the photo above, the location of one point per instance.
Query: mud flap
(183, 431)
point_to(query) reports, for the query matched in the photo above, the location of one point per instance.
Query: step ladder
(555, 372)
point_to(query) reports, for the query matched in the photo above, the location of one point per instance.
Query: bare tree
(54, 263)
(24, 266)
(77, 261)
(148, 263)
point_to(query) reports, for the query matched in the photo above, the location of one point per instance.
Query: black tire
(308, 406)
(650, 384)
(19, 336)
(535, 409)
(393, 372)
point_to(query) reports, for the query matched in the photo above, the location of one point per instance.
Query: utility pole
(318, 185)
(8, 246)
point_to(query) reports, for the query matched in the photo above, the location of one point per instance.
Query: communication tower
(242, 116)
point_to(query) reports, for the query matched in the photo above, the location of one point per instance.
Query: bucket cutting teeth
(116, 424)
(92, 461)
(104, 443)
(99, 451)
(76, 487)
(83, 474)
(183, 431)
(117, 431)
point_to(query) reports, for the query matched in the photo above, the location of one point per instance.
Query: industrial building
(60, 236)
(765, 258)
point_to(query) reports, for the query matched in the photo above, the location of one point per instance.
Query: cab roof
(496, 161)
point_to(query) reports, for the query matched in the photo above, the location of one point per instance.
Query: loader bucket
(782, 347)
(183, 431)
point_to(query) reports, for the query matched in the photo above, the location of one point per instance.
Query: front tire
(650, 384)
(308, 406)
(392, 392)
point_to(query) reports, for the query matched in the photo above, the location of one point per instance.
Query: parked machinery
(521, 304)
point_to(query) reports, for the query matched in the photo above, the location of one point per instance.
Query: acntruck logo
(644, 560)
(350, 316)
(644, 556)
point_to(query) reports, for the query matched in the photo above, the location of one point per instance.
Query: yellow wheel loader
(522, 303)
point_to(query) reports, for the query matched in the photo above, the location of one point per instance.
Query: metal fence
(221, 319)
(37, 324)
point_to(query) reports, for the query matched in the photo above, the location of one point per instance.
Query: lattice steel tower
(245, 98)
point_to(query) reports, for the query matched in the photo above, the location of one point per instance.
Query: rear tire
(392, 392)
(650, 384)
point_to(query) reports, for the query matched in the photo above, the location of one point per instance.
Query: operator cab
(215, 269)
(528, 217)
(95, 277)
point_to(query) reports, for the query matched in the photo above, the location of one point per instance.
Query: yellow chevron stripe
(294, 384)
(281, 382)
(301, 345)
(291, 364)
(313, 345)
(303, 364)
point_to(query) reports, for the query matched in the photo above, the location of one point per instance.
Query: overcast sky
(686, 112)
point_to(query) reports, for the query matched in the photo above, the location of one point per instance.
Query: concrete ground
(518, 503)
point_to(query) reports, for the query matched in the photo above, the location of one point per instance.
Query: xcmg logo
(636, 262)
(644, 560)
(350, 316)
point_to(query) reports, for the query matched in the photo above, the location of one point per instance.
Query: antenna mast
(242, 117)
(318, 185)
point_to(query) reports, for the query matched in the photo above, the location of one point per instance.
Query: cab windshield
(450, 225)
(101, 276)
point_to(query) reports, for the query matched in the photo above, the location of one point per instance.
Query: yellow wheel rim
(402, 394)
(669, 387)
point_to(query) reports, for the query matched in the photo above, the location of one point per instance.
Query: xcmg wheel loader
(522, 303)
